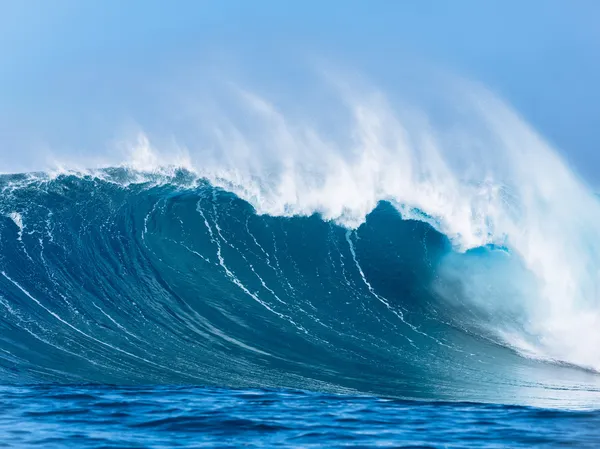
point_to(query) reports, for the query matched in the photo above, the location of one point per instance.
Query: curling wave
(397, 263)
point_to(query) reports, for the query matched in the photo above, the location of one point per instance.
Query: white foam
(17, 218)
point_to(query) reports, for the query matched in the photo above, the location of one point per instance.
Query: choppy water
(186, 417)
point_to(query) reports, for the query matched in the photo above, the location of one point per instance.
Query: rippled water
(161, 417)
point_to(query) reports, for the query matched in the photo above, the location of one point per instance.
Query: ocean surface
(192, 417)
(152, 310)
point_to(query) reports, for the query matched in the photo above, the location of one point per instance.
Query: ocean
(193, 417)
(153, 310)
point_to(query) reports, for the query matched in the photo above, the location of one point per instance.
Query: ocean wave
(399, 259)
(129, 277)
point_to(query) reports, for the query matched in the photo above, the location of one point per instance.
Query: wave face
(107, 280)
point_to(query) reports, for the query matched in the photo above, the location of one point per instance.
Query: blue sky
(72, 72)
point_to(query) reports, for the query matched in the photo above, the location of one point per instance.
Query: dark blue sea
(139, 311)
(193, 417)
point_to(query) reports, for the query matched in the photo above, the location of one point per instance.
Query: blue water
(161, 417)
(123, 283)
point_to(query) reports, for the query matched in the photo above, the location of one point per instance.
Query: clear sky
(74, 72)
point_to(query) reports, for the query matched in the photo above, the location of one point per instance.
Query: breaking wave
(400, 260)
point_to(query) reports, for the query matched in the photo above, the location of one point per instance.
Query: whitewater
(406, 254)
